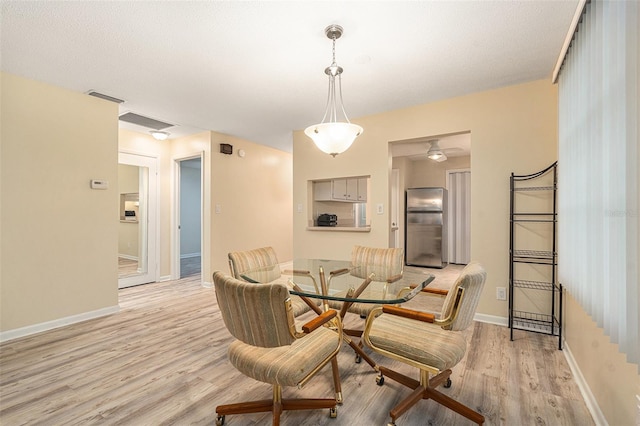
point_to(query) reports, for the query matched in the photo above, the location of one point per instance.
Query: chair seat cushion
(268, 365)
(420, 342)
(356, 308)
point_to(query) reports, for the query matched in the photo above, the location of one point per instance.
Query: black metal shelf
(535, 285)
(536, 322)
(539, 322)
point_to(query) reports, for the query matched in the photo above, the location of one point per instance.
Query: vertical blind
(598, 170)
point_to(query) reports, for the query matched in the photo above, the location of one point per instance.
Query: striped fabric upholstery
(265, 349)
(285, 365)
(472, 279)
(253, 314)
(383, 262)
(242, 261)
(425, 343)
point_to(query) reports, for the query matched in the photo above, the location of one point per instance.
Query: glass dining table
(335, 280)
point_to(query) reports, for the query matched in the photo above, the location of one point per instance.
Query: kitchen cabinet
(362, 189)
(352, 190)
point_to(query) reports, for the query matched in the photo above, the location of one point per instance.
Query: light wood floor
(162, 360)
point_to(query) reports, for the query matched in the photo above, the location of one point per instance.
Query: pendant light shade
(332, 136)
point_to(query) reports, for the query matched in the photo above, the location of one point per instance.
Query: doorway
(188, 216)
(417, 170)
(138, 231)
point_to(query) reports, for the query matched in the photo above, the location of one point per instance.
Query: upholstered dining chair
(375, 266)
(271, 348)
(265, 258)
(432, 344)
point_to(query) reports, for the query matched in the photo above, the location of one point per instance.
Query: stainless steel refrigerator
(425, 239)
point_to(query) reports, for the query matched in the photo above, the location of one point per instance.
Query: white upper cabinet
(352, 190)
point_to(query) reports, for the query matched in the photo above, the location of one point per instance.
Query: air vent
(105, 97)
(143, 121)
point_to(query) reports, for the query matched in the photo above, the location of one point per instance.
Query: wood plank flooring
(162, 361)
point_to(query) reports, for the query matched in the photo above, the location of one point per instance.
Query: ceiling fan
(435, 153)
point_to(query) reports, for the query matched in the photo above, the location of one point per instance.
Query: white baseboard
(128, 257)
(492, 319)
(50, 325)
(207, 284)
(188, 255)
(164, 278)
(589, 399)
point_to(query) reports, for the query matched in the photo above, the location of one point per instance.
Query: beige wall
(255, 197)
(254, 194)
(612, 380)
(59, 237)
(426, 173)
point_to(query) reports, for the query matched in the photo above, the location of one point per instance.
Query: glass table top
(336, 280)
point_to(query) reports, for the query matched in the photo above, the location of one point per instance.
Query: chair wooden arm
(296, 272)
(438, 291)
(408, 313)
(319, 321)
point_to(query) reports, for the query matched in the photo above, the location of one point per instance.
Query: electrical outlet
(501, 293)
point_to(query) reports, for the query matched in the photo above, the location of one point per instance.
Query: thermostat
(99, 184)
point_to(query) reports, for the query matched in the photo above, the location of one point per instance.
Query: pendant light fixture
(332, 136)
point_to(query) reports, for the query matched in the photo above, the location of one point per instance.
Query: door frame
(153, 220)
(394, 229)
(175, 226)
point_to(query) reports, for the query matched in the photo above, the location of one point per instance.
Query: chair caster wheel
(447, 384)
(219, 420)
(333, 412)
(380, 380)
(358, 359)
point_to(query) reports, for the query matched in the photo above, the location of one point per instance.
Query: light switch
(299, 208)
(218, 209)
(380, 208)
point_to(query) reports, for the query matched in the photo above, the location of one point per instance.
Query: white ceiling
(255, 69)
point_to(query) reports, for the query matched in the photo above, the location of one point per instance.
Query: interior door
(137, 233)
(459, 218)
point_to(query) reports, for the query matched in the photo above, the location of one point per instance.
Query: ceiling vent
(143, 121)
(105, 97)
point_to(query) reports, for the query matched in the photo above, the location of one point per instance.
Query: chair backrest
(471, 279)
(383, 262)
(242, 261)
(254, 314)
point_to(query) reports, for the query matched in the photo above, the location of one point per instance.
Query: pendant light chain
(330, 135)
